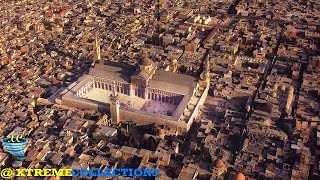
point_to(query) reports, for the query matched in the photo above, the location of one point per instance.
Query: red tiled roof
(6, 59)
(47, 68)
(54, 81)
(59, 11)
(184, 26)
(22, 73)
(24, 49)
(64, 10)
(49, 14)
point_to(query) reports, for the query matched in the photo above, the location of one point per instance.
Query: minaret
(97, 51)
(207, 70)
(175, 65)
(115, 106)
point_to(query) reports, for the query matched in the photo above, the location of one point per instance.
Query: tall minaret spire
(114, 89)
(115, 105)
(207, 69)
(97, 49)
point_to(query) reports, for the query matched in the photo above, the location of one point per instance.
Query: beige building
(141, 94)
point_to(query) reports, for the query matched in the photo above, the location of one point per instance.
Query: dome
(282, 88)
(239, 176)
(274, 94)
(219, 164)
(275, 86)
(146, 61)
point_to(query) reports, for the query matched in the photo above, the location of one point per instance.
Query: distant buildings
(231, 86)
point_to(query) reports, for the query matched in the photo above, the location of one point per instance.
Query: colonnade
(146, 93)
(105, 84)
(166, 97)
(86, 88)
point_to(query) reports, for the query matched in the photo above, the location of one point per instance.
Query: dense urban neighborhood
(207, 89)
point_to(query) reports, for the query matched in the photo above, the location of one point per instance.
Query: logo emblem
(14, 144)
(15, 138)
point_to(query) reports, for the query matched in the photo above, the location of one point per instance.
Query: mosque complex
(142, 94)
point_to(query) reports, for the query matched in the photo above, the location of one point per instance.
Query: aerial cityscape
(165, 89)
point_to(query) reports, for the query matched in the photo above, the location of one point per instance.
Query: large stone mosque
(141, 94)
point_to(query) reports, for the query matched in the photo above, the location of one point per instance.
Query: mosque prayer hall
(141, 94)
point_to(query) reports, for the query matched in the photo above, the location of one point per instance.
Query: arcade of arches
(130, 90)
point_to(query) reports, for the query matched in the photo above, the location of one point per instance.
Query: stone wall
(82, 104)
(196, 109)
(136, 116)
(142, 118)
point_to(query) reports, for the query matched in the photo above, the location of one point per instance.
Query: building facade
(142, 94)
